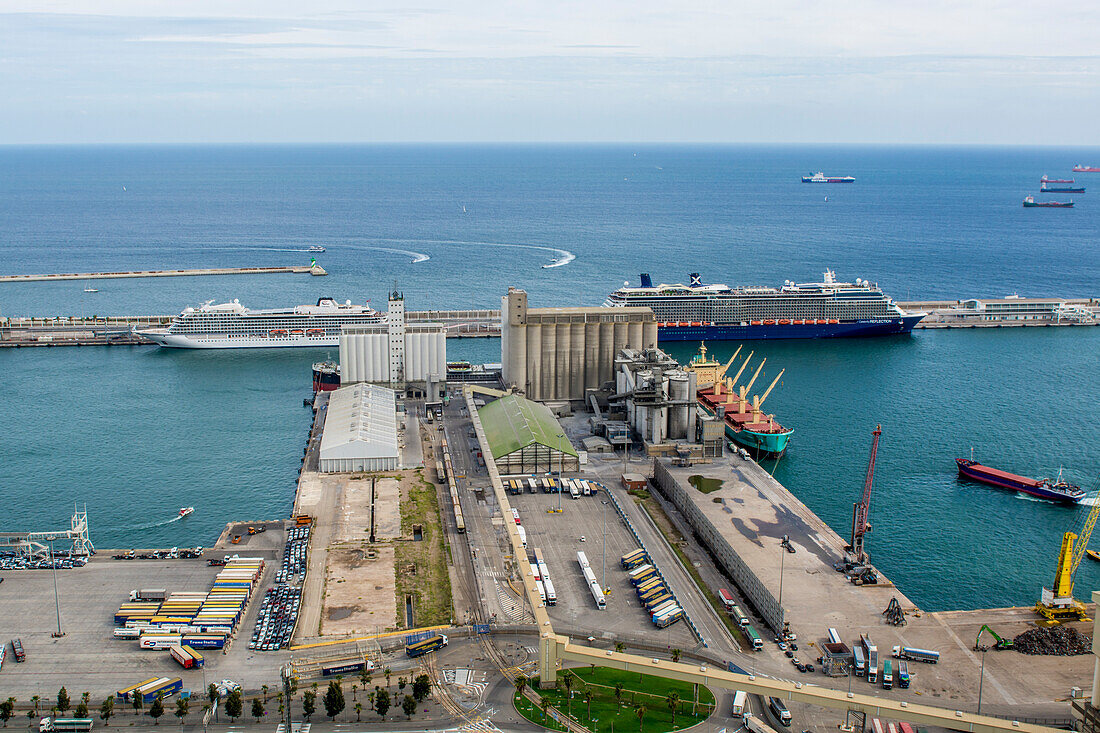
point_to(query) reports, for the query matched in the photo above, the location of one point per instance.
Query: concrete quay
(293, 269)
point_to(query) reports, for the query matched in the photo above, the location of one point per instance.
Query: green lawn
(704, 484)
(606, 713)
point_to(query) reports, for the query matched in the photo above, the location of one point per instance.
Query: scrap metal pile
(1057, 641)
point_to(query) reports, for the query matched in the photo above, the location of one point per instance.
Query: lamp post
(56, 597)
(981, 683)
(782, 562)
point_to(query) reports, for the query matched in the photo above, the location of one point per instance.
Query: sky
(783, 71)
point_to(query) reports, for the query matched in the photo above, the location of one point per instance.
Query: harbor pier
(313, 269)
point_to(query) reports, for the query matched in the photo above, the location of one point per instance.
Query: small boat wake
(417, 256)
(562, 256)
(1090, 501)
(154, 525)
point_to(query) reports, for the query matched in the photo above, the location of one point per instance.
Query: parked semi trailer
(916, 655)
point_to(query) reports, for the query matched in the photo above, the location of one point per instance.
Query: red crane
(860, 527)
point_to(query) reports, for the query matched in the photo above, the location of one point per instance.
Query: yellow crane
(1057, 603)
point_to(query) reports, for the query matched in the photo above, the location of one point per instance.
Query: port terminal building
(399, 354)
(555, 354)
(360, 430)
(525, 437)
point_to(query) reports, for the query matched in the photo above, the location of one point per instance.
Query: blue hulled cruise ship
(828, 309)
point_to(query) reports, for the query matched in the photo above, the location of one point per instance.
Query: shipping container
(124, 693)
(426, 645)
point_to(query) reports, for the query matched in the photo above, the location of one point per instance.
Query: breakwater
(314, 269)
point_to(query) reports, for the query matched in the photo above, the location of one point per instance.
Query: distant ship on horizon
(820, 177)
(1085, 169)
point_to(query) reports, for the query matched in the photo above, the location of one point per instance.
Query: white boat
(184, 511)
(316, 248)
(232, 326)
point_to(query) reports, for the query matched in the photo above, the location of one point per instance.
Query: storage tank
(678, 414)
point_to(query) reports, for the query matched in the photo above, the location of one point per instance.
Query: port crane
(860, 525)
(1057, 603)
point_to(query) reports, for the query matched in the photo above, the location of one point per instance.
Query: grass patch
(533, 713)
(704, 484)
(606, 713)
(661, 520)
(430, 586)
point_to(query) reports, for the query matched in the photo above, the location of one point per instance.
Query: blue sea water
(137, 433)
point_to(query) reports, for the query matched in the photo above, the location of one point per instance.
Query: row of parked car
(294, 554)
(11, 561)
(278, 614)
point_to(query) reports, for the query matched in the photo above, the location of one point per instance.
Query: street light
(981, 683)
(782, 563)
(56, 598)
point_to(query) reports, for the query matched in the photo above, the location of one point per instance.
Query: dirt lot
(359, 590)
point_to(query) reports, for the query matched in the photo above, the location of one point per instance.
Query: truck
(633, 559)
(162, 688)
(740, 699)
(666, 606)
(669, 617)
(887, 674)
(756, 725)
(187, 656)
(871, 652)
(739, 616)
(426, 645)
(754, 637)
(779, 710)
(17, 650)
(64, 725)
(903, 674)
(148, 594)
(834, 636)
(859, 662)
(727, 599)
(522, 535)
(916, 655)
(643, 576)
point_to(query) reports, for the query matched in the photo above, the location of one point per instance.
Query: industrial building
(526, 438)
(360, 430)
(395, 353)
(658, 395)
(555, 354)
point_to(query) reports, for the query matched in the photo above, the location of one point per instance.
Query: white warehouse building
(360, 431)
(394, 352)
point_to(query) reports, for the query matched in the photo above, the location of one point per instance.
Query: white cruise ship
(232, 326)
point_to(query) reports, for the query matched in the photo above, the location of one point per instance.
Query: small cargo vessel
(184, 511)
(820, 177)
(1061, 189)
(1085, 169)
(1093, 554)
(1031, 203)
(1045, 180)
(326, 376)
(745, 423)
(1055, 490)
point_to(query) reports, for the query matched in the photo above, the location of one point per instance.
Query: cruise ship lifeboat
(315, 332)
(754, 323)
(769, 323)
(784, 322)
(833, 320)
(297, 332)
(821, 321)
(277, 332)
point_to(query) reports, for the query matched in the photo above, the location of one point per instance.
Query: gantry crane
(1057, 603)
(860, 526)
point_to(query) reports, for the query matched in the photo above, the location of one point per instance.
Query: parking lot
(88, 657)
(605, 540)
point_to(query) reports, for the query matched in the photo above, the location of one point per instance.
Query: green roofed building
(525, 437)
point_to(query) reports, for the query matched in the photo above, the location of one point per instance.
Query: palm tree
(545, 703)
(521, 684)
(673, 700)
(619, 693)
(640, 710)
(567, 683)
(388, 672)
(354, 689)
(358, 711)
(37, 699)
(619, 646)
(264, 688)
(676, 655)
(588, 702)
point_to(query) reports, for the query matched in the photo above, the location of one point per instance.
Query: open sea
(136, 433)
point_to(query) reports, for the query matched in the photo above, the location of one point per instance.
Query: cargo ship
(1085, 169)
(828, 309)
(1031, 203)
(744, 421)
(1055, 490)
(326, 376)
(1045, 180)
(1044, 188)
(232, 326)
(820, 177)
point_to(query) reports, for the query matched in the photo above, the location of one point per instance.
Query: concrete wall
(346, 465)
(731, 563)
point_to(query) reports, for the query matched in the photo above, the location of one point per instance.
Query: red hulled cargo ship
(1043, 488)
(326, 376)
